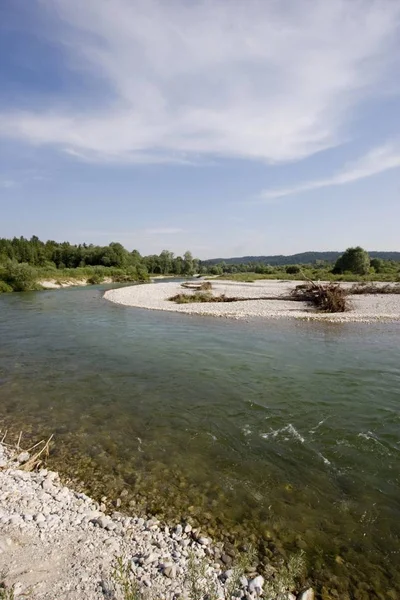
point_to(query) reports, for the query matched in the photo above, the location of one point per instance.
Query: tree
(188, 263)
(165, 261)
(378, 265)
(354, 260)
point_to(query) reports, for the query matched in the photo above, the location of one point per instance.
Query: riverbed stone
(306, 595)
(257, 584)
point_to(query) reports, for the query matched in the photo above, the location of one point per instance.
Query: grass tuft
(371, 288)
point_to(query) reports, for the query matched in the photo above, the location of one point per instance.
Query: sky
(227, 127)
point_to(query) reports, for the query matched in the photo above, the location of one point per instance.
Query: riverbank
(57, 543)
(364, 308)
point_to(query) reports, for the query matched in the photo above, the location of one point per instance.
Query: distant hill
(304, 258)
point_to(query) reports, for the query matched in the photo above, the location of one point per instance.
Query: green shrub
(95, 279)
(4, 287)
(292, 269)
(20, 276)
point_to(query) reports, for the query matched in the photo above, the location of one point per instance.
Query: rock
(204, 541)
(47, 484)
(39, 518)
(307, 595)
(170, 571)
(103, 521)
(23, 457)
(256, 585)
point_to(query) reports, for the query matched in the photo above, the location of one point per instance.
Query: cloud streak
(377, 161)
(186, 81)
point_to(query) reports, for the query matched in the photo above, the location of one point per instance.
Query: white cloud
(183, 81)
(163, 231)
(377, 161)
(8, 183)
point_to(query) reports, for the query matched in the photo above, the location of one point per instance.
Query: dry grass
(372, 288)
(35, 460)
(202, 297)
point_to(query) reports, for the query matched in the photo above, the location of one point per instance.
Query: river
(286, 433)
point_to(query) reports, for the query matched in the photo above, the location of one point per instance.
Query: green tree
(188, 268)
(378, 264)
(292, 269)
(354, 260)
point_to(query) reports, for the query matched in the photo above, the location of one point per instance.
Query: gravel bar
(155, 296)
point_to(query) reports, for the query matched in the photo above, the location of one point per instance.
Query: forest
(25, 262)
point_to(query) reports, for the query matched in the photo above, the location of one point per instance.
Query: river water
(282, 432)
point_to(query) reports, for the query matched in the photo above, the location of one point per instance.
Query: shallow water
(287, 433)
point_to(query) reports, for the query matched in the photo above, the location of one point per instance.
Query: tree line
(51, 254)
(24, 262)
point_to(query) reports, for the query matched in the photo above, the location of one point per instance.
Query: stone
(23, 457)
(204, 541)
(306, 595)
(103, 521)
(170, 571)
(256, 585)
(47, 484)
(39, 518)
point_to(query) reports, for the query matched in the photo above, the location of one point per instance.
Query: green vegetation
(6, 593)
(284, 580)
(20, 277)
(24, 263)
(4, 287)
(199, 586)
(123, 581)
(354, 260)
(196, 297)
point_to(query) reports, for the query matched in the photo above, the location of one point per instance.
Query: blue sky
(227, 127)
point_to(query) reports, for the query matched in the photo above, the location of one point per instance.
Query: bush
(20, 276)
(5, 288)
(292, 269)
(95, 279)
(354, 260)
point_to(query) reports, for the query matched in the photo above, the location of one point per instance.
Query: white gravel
(56, 543)
(155, 296)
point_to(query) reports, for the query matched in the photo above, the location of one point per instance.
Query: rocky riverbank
(364, 308)
(56, 543)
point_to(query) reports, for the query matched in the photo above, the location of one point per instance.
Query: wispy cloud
(186, 81)
(163, 231)
(377, 161)
(8, 183)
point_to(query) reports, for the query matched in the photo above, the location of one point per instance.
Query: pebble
(53, 517)
(306, 595)
(256, 585)
(23, 457)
